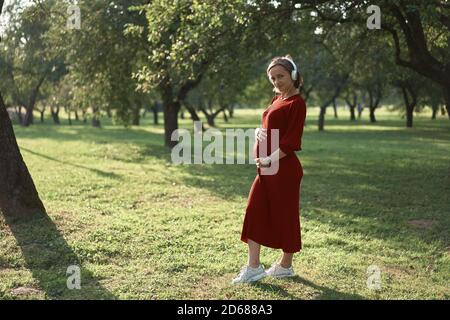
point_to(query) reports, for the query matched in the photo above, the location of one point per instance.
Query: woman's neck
(290, 93)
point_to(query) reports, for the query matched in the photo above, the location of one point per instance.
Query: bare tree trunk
(55, 115)
(32, 102)
(410, 105)
(210, 117)
(352, 106)
(322, 118)
(410, 95)
(18, 194)
(193, 113)
(95, 118)
(447, 101)
(323, 107)
(225, 117)
(136, 114)
(335, 109)
(231, 110)
(28, 120)
(372, 115)
(19, 114)
(69, 116)
(155, 115)
(171, 109)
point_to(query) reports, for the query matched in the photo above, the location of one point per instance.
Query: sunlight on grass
(144, 228)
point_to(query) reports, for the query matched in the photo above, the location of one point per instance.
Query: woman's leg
(286, 261)
(253, 253)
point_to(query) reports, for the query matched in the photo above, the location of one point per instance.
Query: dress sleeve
(291, 141)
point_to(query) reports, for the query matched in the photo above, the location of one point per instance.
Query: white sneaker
(249, 274)
(277, 271)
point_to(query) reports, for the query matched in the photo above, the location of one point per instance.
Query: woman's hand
(263, 162)
(260, 134)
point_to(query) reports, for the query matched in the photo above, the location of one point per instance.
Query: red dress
(272, 215)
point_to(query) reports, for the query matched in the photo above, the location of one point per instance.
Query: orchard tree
(18, 195)
(419, 31)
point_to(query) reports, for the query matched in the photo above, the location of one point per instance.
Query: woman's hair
(282, 61)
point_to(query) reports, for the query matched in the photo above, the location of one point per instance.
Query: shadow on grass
(324, 293)
(47, 255)
(373, 177)
(104, 174)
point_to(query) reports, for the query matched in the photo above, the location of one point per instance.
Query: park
(112, 188)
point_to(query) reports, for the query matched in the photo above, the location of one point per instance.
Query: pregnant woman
(272, 215)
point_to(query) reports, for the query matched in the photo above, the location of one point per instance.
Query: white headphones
(293, 72)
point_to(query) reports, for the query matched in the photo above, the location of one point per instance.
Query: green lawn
(142, 228)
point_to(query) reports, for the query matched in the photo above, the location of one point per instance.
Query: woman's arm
(275, 156)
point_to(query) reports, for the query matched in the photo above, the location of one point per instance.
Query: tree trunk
(28, 119)
(84, 115)
(42, 116)
(210, 120)
(171, 105)
(96, 122)
(55, 115)
(192, 112)
(435, 109)
(32, 102)
(18, 194)
(409, 116)
(447, 101)
(322, 118)
(225, 117)
(171, 109)
(372, 115)
(352, 114)
(209, 117)
(231, 111)
(155, 115)
(335, 109)
(95, 118)
(19, 114)
(352, 106)
(136, 115)
(410, 102)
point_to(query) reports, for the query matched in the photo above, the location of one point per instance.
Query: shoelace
(277, 267)
(243, 270)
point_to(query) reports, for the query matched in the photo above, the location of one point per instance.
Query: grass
(141, 227)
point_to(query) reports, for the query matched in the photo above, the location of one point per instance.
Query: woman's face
(281, 79)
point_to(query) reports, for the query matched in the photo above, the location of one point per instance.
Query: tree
(188, 38)
(419, 31)
(18, 194)
(28, 60)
